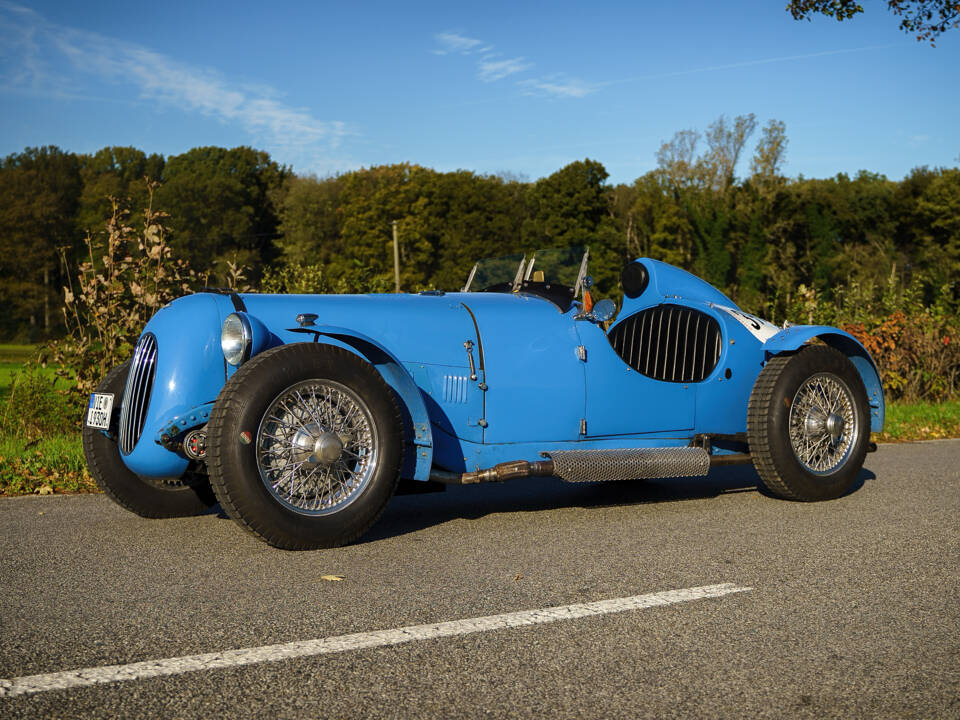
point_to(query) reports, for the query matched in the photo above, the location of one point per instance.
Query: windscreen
(560, 266)
(495, 273)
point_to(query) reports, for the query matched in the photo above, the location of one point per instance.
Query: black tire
(190, 495)
(264, 446)
(800, 451)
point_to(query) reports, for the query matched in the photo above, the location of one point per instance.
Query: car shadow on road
(411, 513)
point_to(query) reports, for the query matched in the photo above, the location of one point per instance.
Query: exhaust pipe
(600, 465)
(498, 473)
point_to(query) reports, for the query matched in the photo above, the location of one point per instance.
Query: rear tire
(808, 424)
(190, 495)
(305, 444)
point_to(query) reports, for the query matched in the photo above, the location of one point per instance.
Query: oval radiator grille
(136, 393)
(668, 342)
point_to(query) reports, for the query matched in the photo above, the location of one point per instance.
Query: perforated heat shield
(634, 464)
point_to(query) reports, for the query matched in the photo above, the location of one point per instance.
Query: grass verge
(43, 466)
(920, 422)
(56, 463)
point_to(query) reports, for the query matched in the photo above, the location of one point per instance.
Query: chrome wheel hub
(823, 424)
(317, 447)
(835, 427)
(818, 423)
(312, 444)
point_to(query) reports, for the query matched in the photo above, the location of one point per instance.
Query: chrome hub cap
(312, 444)
(317, 447)
(823, 424)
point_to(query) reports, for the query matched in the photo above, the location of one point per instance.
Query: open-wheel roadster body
(303, 414)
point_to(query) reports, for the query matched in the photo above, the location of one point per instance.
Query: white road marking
(358, 641)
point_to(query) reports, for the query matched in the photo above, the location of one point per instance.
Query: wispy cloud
(33, 46)
(493, 66)
(559, 86)
(491, 70)
(457, 43)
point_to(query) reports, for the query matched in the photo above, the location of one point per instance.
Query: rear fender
(793, 338)
(416, 421)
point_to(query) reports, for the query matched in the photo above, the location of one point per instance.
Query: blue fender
(792, 338)
(419, 434)
(190, 371)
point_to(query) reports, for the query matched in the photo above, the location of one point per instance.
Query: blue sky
(520, 88)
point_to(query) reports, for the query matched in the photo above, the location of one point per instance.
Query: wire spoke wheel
(808, 424)
(823, 423)
(317, 447)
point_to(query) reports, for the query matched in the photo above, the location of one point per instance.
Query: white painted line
(358, 641)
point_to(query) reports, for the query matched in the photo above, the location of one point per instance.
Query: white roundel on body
(760, 329)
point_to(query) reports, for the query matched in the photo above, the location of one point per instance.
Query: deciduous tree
(926, 18)
(221, 204)
(39, 193)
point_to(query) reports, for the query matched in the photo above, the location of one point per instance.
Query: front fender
(190, 371)
(417, 425)
(793, 338)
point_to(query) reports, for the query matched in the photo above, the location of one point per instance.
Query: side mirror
(603, 310)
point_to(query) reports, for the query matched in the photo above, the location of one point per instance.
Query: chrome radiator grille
(669, 342)
(136, 393)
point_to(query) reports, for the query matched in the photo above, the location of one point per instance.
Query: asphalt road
(854, 609)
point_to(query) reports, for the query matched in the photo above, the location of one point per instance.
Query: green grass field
(12, 359)
(17, 353)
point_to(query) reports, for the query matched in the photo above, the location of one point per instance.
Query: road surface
(847, 608)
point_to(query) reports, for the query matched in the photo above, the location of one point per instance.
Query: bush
(298, 278)
(40, 404)
(918, 354)
(40, 449)
(129, 275)
(915, 345)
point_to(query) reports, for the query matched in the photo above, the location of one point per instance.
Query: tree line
(780, 247)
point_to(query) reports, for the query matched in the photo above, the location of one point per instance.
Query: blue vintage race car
(303, 414)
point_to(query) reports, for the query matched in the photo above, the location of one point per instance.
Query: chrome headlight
(236, 338)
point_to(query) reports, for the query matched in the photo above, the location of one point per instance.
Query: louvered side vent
(455, 389)
(136, 393)
(668, 342)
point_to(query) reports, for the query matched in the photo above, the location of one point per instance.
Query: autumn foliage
(918, 354)
(126, 277)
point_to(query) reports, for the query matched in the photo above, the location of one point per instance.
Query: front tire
(305, 444)
(808, 424)
(190, 495)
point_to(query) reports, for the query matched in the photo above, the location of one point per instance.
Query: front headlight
(236, 338)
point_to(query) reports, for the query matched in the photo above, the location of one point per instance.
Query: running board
(601, 465)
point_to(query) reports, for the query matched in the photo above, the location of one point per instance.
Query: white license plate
(99, 409)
